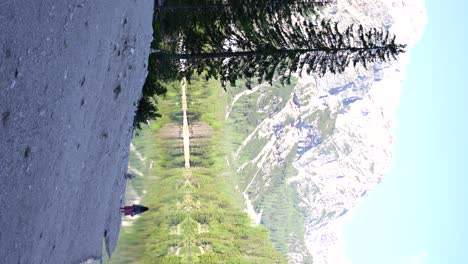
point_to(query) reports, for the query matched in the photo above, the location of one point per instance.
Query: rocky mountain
(310, 152)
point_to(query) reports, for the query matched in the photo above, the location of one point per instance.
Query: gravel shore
(71, 74)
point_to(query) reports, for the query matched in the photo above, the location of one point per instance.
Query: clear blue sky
(419, 214)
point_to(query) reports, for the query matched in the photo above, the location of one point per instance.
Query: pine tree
(285, 49)
(207, 23)
(255, 39)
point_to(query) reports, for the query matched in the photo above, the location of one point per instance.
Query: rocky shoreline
(71, 74)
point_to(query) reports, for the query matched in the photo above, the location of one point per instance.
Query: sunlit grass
(216, 223)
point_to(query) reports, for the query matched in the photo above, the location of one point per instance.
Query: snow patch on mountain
(363, 139)
(339, 130)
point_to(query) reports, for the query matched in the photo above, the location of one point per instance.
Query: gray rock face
(71, 74)
(323, 147)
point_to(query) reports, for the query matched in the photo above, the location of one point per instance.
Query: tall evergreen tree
(207, 23)
(254, 39)
(285, 49)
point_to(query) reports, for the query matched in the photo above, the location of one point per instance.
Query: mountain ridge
(329, 137)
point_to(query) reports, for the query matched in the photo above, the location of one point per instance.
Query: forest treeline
(208, 226)
(253, 40)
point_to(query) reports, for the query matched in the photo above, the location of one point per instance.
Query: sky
(419, 213)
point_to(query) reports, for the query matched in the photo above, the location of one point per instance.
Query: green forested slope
(272, 194)
(195, 215)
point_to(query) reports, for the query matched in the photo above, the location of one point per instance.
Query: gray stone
(64, 135)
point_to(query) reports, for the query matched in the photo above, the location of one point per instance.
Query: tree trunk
(190, 7)
(220, 55)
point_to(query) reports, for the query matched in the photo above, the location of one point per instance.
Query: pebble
(12, 85)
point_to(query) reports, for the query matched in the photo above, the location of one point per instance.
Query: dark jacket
(138, 209)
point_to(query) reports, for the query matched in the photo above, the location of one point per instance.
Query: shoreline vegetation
(215, 229)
